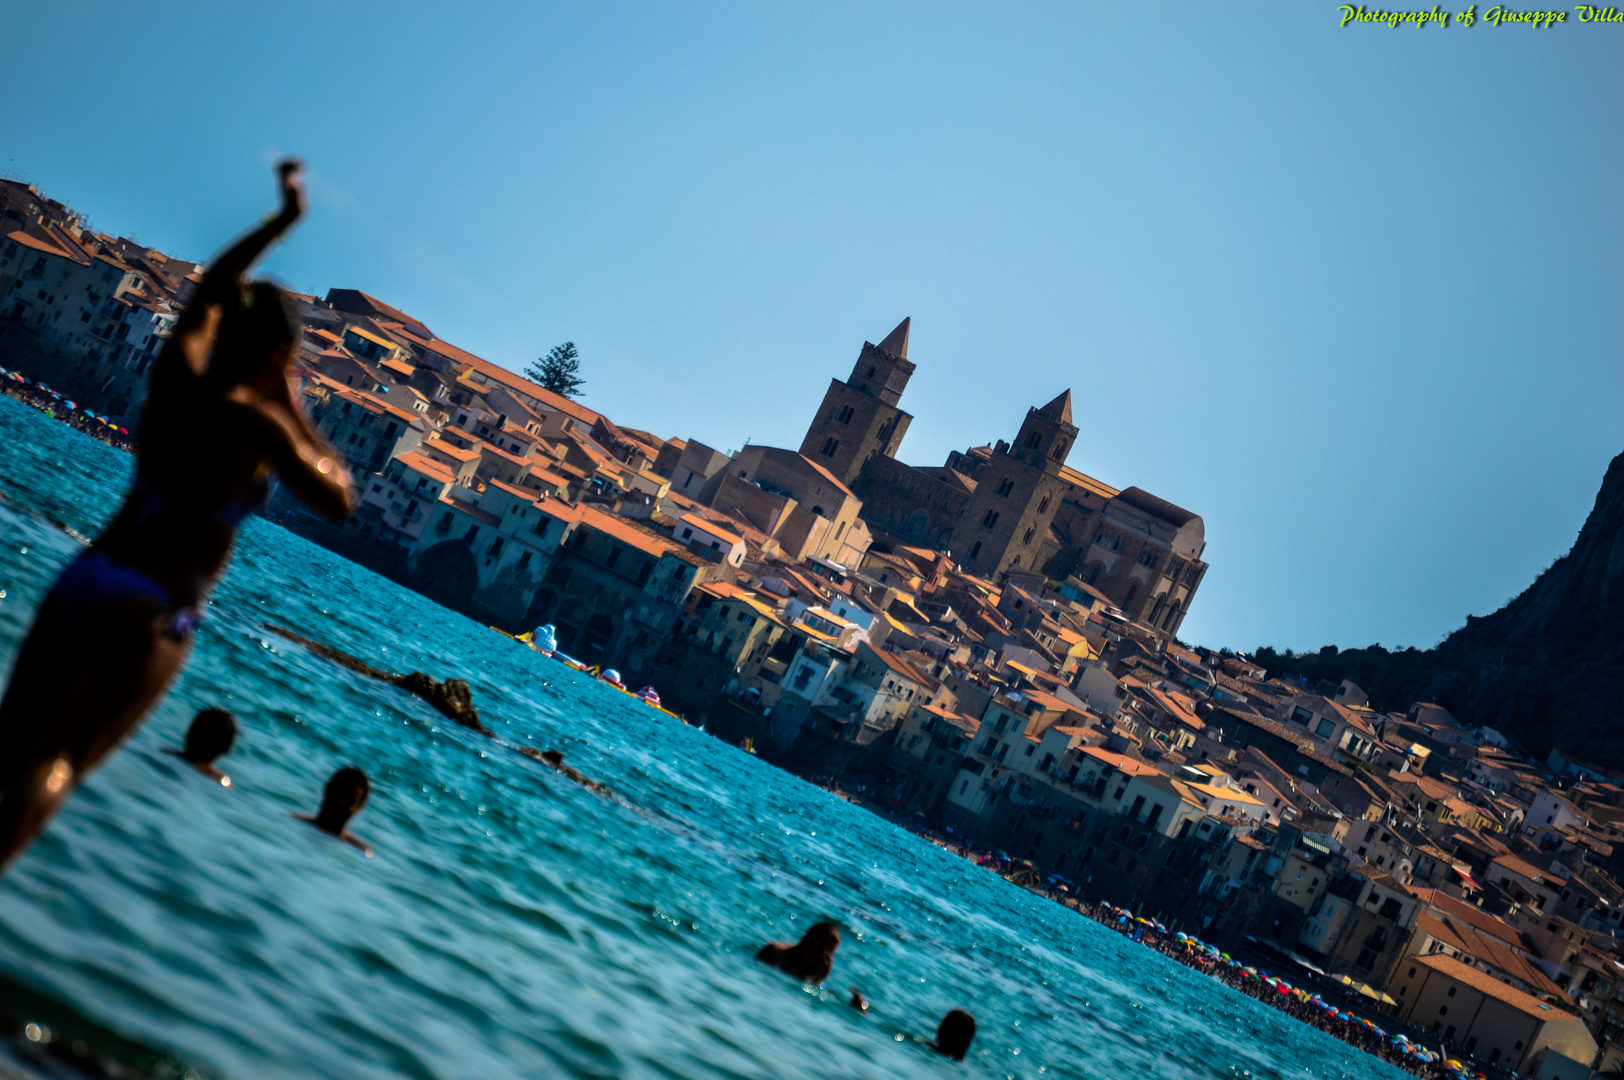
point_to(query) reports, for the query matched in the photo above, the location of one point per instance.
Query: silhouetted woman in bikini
(218, 421)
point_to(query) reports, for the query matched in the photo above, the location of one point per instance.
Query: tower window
(1027, 539)
(990, 519)
(871, 371)
(830, 446)
(1059, 449)
(975, 549)
(1035, 439)
(1006, 486)
(1044, 505)
(844, 415)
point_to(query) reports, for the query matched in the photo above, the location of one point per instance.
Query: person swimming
(210, 736)
(954, 1034)
(343, 797)
(810, 959)
(219, 421)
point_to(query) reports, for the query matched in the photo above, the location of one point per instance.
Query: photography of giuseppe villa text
(1495, 16)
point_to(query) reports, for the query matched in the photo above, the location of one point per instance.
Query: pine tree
(558, 371)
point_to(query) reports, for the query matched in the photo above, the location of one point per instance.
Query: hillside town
(987, 648)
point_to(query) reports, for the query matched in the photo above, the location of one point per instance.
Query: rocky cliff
(1549, 666)
(1546, 668)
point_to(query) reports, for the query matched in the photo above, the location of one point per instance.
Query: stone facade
(859, 419)
(921, 506)
(1142, 552)
(1014, 505)
(1017, 492)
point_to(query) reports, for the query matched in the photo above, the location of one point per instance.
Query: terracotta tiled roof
(36, 244)
(498, 374)
(647, 542)
(827, 475)
(1489, 986)
(547, 476)
(715, 530)
(1529, 871)
(1087, 483)
(451, 451)
(906, 670)
(523, 493)
(472, 511)
(1121, 762)
(1465, 938)
(426, 465)
(388, 312)
(491, 448)
(378, 405)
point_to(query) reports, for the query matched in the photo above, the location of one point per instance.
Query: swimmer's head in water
(821, 937)
(257, 339)
(954, 1033)
(211, 734)
(344, 795)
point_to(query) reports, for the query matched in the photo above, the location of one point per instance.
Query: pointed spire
(1059, 408)
(896, 342)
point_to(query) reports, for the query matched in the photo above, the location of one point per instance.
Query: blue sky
(1352, 295)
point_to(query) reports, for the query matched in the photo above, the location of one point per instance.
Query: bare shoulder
(357, 843)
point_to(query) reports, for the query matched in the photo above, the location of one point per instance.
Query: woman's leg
(80, 685)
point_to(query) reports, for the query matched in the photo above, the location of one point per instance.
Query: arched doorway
(447, 574)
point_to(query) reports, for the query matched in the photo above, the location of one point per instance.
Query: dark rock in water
(451, 697)
(556, 760)
(327, 652)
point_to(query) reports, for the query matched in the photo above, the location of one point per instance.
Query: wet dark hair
(954, 1033)
(211, 734)
(251, 333)
(347, 789)
(823, 933)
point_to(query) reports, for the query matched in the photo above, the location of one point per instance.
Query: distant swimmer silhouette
(219, 421)
(810, 959)
(954, 1034)
(858, 1001)
(210, 736)
(343, 797)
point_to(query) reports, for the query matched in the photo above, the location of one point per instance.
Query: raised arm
(194, 331)
(303, 459)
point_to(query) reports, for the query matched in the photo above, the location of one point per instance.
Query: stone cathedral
(1009, 506)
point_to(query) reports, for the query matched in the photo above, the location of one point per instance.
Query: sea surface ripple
(514, 924)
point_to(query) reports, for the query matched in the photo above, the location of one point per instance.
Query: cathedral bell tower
(859, 418)
(1046, 436)
(1017, 493)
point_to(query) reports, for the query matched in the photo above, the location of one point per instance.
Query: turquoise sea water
(513, 924)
